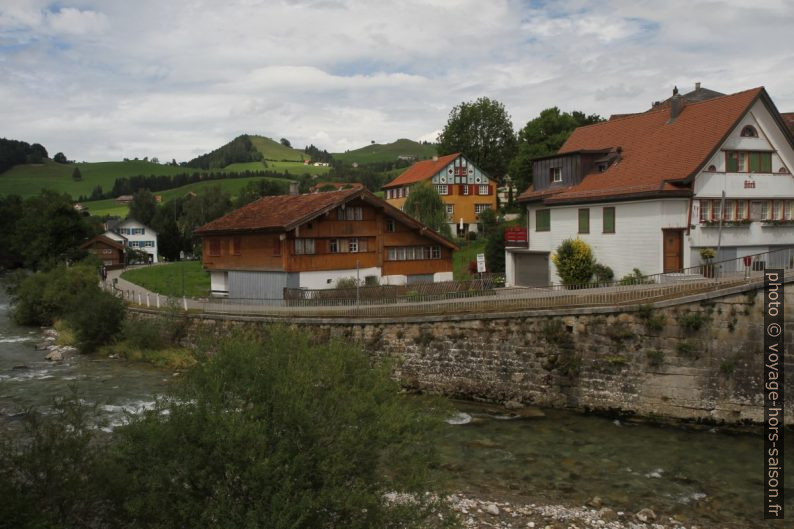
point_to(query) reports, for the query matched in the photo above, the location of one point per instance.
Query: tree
(77, 175)
(285, 142)
(542, 136)
(483, 132)
(37, 153)
(170, 240)
(60, 158)
(425, 205)
(575, 262)
(143, 206)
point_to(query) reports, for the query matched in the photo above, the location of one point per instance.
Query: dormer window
(749, 132)
(748, 162)
(602, 167)
(712, 169)
(555, 174)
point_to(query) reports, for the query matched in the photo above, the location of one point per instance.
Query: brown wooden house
(314, 240)
(109, 251)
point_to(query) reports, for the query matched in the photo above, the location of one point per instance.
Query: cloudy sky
(106, 79)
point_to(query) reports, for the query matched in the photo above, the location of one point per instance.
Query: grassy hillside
(27, 180)
(273, 150)
(232, 185)
(293, 168)
(387, 153)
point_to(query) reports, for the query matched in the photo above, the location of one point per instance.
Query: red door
(673, 250)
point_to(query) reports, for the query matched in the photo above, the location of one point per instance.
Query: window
(215, 247)
(435, 252)
(442, 189)
(350, 213)
(352, 245)
(485, 190)
(236, 243)
(464, 189)
(450, 210)
(479, 208)
(412, 253)
(304, 246)
(107, 251)
(555, 174)
(333, 246)
(584, 220)
(391, 254)
(542, 220)
(716, 210)
(391, 225)
(748, 162)
(609, 220)
(749, 132)
(788, 212)
(765, 210)
(712, 168)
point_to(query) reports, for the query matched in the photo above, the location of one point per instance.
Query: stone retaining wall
(697, 359)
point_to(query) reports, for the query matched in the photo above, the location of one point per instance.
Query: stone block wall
(698, 360)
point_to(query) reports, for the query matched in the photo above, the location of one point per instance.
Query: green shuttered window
(542, 220)
(584, 220)
(609, 220)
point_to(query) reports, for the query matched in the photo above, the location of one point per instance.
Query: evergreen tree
(76, 175)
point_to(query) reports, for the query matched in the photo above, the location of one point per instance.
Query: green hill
(389, 152)
(273, 150)
(232, 185)
(30, 179)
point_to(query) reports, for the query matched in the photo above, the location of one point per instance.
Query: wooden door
(673, 250)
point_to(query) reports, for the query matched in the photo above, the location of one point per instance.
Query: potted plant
(706, 255)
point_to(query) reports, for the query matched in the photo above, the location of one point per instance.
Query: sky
(108, 79)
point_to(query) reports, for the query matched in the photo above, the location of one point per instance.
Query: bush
(495, 251)
(692, 321)
(603, 273)
(636, 277)
(574, 261)
(96, 319)
(346, 282)
(44, 297)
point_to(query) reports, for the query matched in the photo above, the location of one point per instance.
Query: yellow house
(465, 190)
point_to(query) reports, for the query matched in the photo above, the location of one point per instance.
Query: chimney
(676, 105)
(435, 158)
(293, 188)
(697, 87)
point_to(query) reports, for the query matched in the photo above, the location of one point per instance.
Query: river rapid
(702, 476)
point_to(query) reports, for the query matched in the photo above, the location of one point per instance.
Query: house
(109, 250)
(134, 235)
(315, 239)
(465, 190)
(646, 190)
(124, 199)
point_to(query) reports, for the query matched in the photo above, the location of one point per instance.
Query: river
(705, 475)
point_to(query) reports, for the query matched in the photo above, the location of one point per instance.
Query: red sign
(516, 237)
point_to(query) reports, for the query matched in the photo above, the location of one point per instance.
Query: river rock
(513, 405)
(54, 355)
(646, 515)
(607, 514)
(492, 509)
(595, 502)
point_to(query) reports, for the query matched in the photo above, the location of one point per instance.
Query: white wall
(328, 278)
(149, 235)
(219, 282)
(636, 243)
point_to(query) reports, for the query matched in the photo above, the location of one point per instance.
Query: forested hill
(239, 150)
(13, 152)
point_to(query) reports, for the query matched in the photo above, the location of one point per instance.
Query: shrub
(574, 261)
(653, 322)
(471, 236)
(692, 321)
(495, 251)
(636, 277)
(603, 273)
(44, 297)
(687, 349)
(96, 319)
(346, 282)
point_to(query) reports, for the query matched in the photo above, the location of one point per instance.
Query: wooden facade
(332, 240)
(572, 168)
(110, 252)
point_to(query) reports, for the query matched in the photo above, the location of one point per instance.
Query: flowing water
(707, 476)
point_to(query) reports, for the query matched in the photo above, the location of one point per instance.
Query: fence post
(157, 300)
(147, 301)
(184, 302)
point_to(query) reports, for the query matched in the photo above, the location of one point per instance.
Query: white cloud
(104, 80)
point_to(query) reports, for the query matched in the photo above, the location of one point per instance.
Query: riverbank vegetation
(268, 431)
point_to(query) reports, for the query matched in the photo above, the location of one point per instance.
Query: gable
(460, 171)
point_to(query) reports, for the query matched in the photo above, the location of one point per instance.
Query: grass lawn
(273, 150)
(461, 259)
(167, 278)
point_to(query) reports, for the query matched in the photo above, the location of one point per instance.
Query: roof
(335, 185)
(788, 118)
(422, 170)
(698, 94)
(530, 195)
(105, 240)
(658, 156)
(281, 213)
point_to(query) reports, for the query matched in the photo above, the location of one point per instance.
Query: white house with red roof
(646, 190)
(464, 188)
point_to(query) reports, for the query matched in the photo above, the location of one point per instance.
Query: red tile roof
(530, 194)
(285, 212)
(655, 151)
(422, 171)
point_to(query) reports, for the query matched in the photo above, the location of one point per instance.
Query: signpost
(480, 263)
